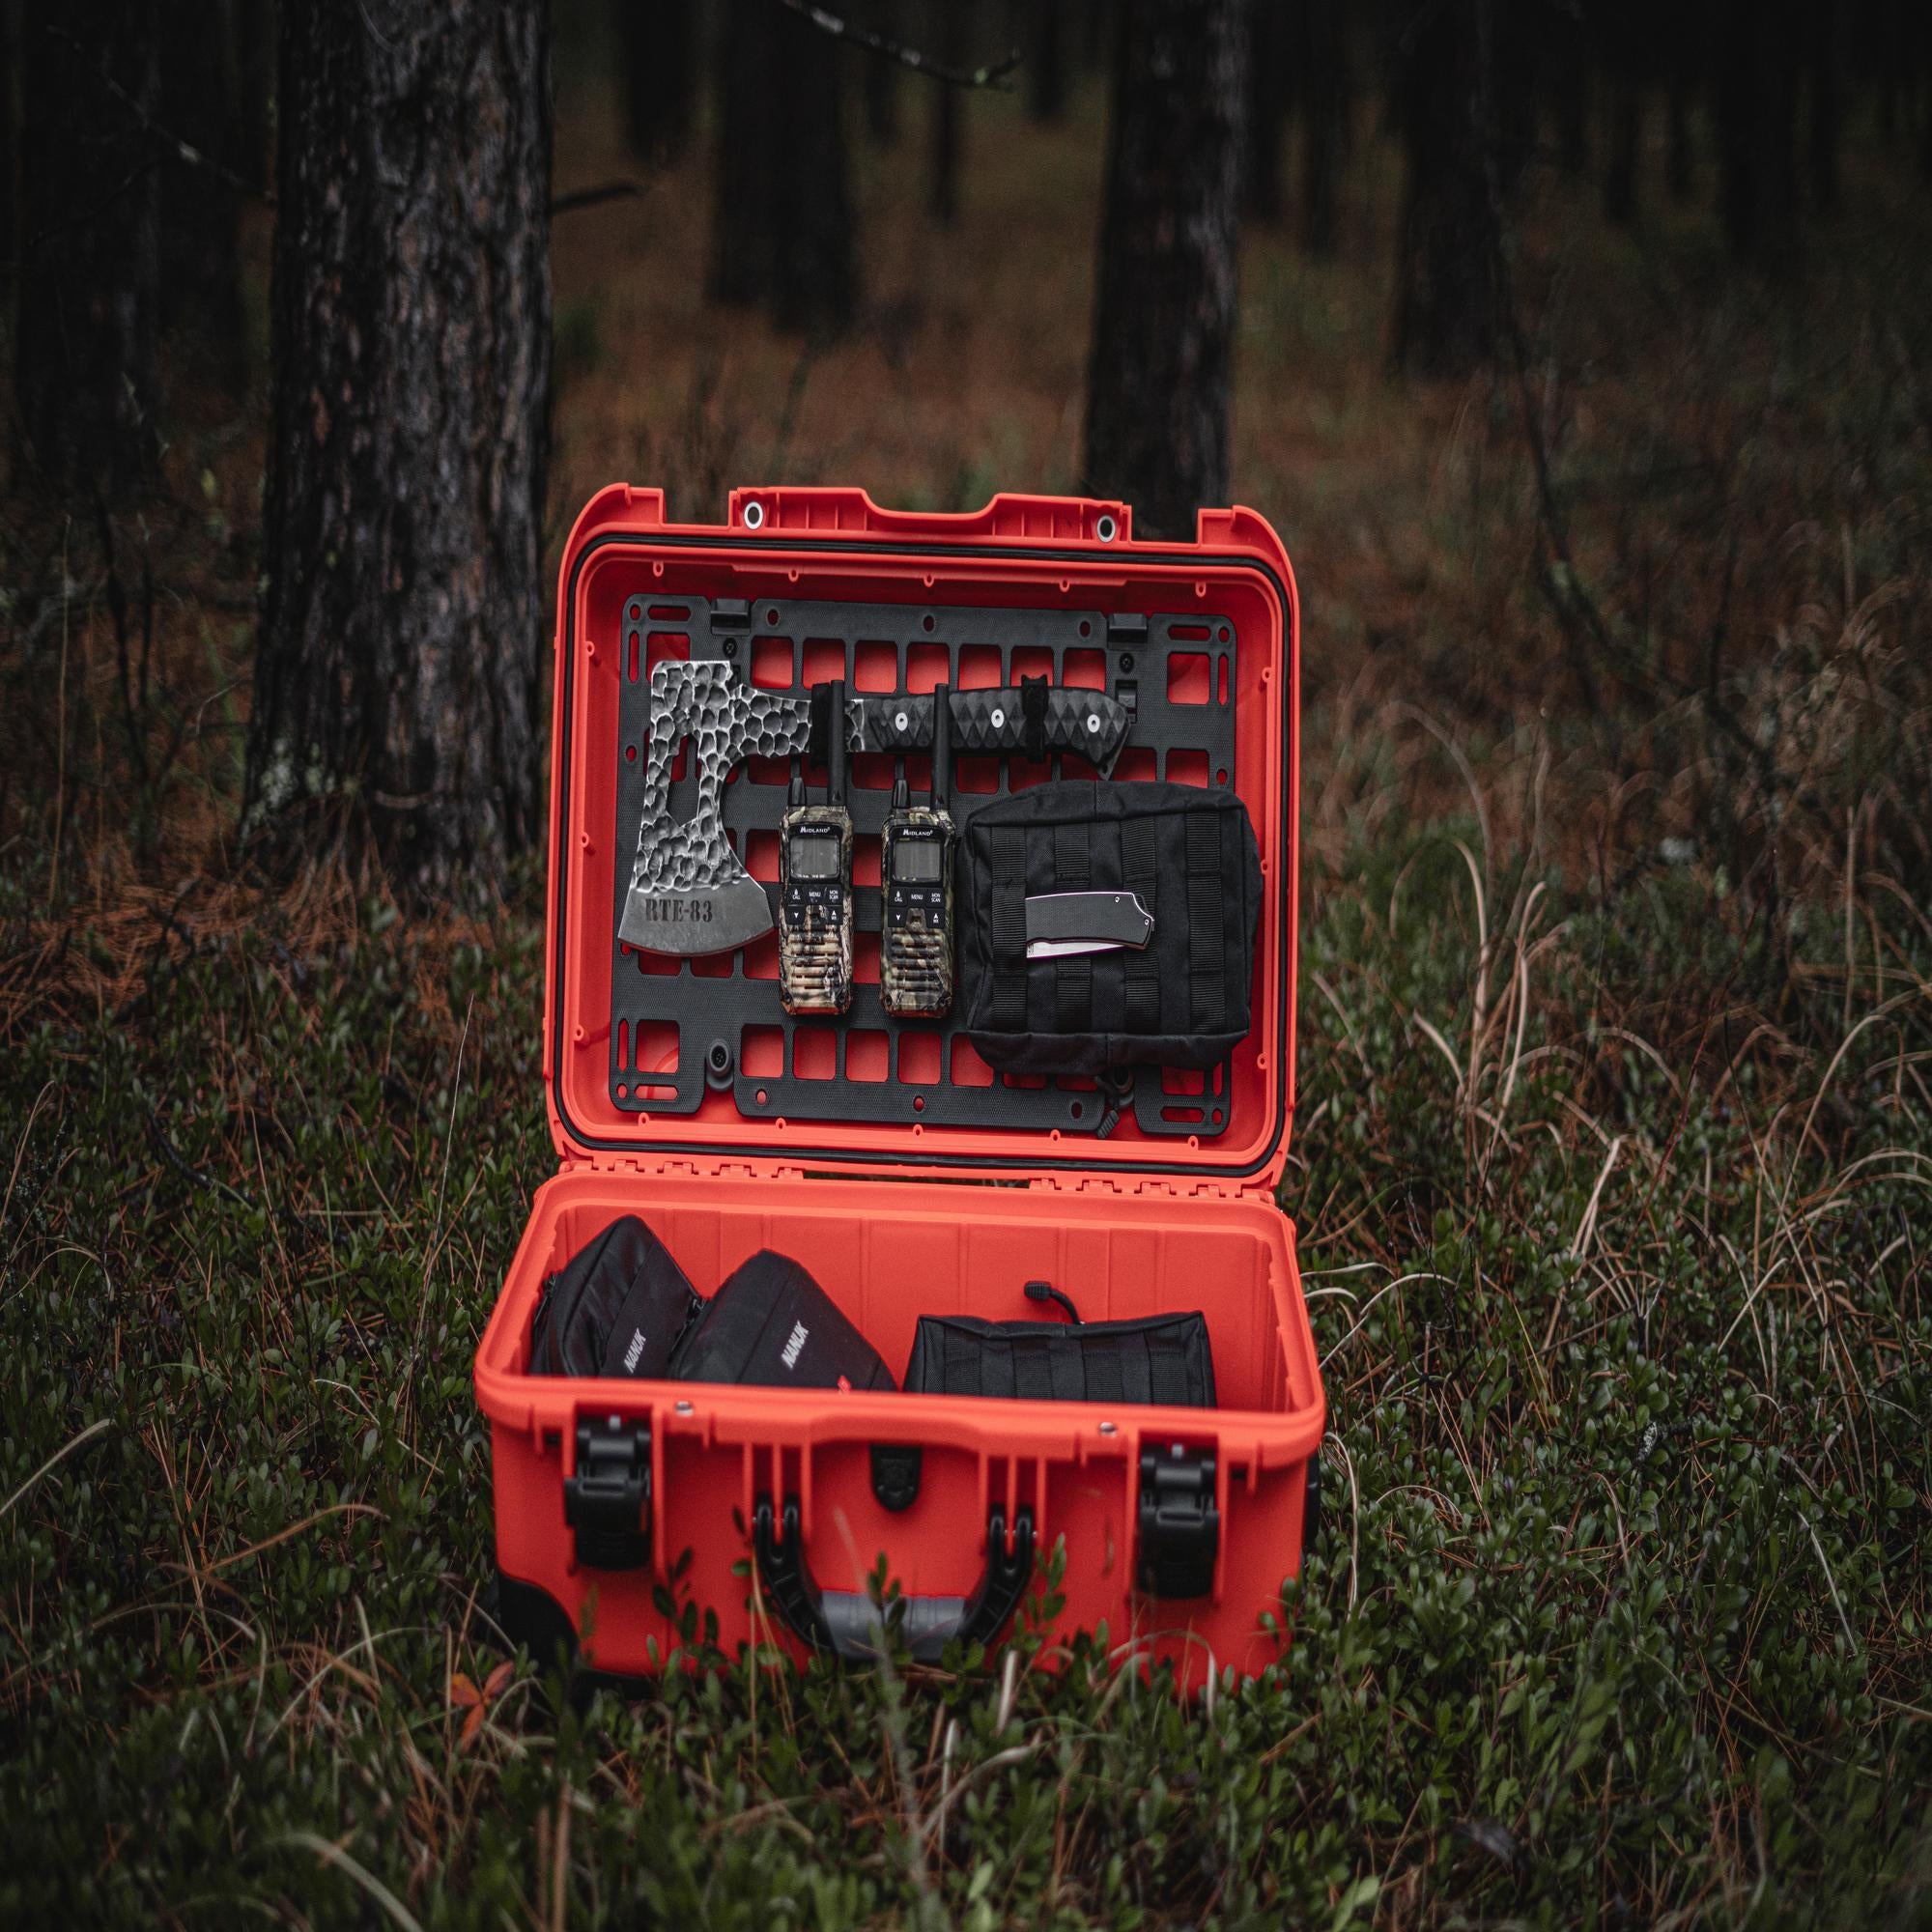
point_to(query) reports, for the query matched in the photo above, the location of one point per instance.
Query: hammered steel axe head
(690, 892)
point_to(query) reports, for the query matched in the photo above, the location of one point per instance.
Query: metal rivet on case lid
(683, 1408)
(1109, 1429)
(1104, 530)
(755, 515)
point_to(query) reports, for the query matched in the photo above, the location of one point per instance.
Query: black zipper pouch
(771, 1323)
(1186, 852)
(618, 1308)
(1164, 1358)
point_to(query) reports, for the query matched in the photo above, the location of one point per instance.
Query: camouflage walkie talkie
(916, 885)
(815, 885)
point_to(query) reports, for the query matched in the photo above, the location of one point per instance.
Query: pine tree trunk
(1828, 107)
(745, 167)
(1324, 90)
(782, 229)
(1626, 138)
(948, 133)
(10, 154)
(1160, 369)
(85, 364)
(1678, 159)
(1046, 59)
(882, 80)
(1446, 297)
(201, 210)
(816, 230)
(396, 678)
(657, 70)
(1271, 70)
(1757, 127)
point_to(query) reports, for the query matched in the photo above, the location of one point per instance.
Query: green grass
(1619, 1615)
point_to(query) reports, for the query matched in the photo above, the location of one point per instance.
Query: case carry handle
(845, 1623)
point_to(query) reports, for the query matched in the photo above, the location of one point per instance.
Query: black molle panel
(1176, 672)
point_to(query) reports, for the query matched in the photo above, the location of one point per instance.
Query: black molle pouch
(1162, 1359)
(618, 1308)
(771, 1323)
(1190, 857)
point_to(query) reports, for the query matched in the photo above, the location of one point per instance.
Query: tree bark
(882, 81)
(1271, 73)
(1046, 59)
(10, 154)
(947, 130)
(396, 678)
(1757, 128)
(1327, 102)
(1626, 138)
(1678, 158)
(85, 364)
(1163, 331)
(1445, 321)
(782, 229)
(201, 210)
(744, 172)
(1825, 131)
(657, 68)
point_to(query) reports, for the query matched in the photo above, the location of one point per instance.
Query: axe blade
(703, 919)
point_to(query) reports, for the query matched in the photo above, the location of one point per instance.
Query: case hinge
(1179, 1522)
(608, 1501)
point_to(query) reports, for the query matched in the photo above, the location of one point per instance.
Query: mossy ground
(1611, 1165)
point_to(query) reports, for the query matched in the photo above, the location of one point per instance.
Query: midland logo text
(794, 1342)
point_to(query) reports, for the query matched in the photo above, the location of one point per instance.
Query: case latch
(608, 1501)
(1179, 1523)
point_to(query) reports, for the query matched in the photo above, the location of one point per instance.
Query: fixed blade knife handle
(1069, 720)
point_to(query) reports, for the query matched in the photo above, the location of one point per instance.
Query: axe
(690, 892)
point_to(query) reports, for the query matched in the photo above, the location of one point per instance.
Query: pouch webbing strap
(1005, 858)
(961, 1362)
(1206, 997)
(1139, 871)
(1167, 1367)
(1033, 1368)
(1073, 977)
(1102, 1366)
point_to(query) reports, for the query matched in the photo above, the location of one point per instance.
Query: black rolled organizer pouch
(618, 1308)
(1164, 1358)
(1185, 852)
(771, 1323)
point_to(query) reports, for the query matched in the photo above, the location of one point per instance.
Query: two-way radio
(815, 878)
(916, 887)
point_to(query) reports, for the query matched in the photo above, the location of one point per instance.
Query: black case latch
(1180, 1525)
(608, 1502)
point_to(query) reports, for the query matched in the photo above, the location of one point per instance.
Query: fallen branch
(995, 76)
(592, 197)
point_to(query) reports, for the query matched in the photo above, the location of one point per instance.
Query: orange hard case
(897, 1221)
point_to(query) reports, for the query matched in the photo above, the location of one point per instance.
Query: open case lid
(1203, 639)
